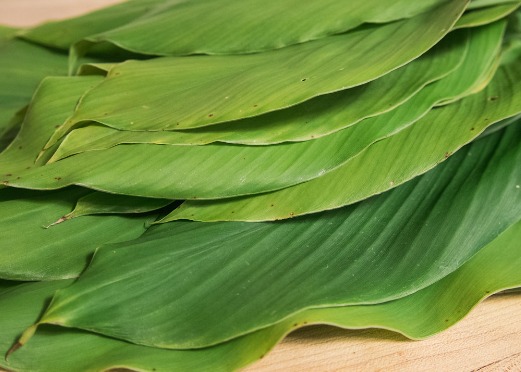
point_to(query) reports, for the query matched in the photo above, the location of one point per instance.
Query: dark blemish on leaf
(303, 80)
(8, 175)
(493, 98)
(273, 205)
(210, 115)
(57, 178)
(28, 168)
(255, 105)
(471, 128)
(13, 348)
(5, 183)
(447, 154)
(232, 212)
(292, 214)
(487, 292)
(56, 126)
(18, 178)
(20, 147)
(296, 324)
(446, 320)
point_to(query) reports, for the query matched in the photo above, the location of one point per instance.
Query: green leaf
(327, 114)
(157, 91)
(63, 34)
(229, 27)
(37, 253)
(424, 313)
(12, 128)
(487, 15)
(22, 67)
(322, 115)
(380, 167)
(54, 100)
(187, 172)
(102, 203)
(475, 4)
(382, 249)
(62, 251)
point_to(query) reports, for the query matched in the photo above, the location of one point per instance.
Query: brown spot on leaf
(57, 178)
(13, 348)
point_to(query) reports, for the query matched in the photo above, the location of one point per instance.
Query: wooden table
(489, 339)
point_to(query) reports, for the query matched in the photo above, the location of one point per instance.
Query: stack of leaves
(185, 182)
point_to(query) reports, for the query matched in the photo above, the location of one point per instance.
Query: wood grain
(489, 339)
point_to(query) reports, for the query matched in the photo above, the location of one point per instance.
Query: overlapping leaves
(314, 115)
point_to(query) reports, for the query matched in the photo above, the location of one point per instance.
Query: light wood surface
(489, 339)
